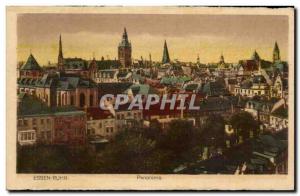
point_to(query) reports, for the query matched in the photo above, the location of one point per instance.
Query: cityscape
(239, 124)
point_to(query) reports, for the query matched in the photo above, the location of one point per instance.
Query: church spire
(198, 59)
(60, 54)
(255, 56)
(276, 53)
(60, 57)
(125, 36)
(124, 42)
(166, 58)
(222, 61)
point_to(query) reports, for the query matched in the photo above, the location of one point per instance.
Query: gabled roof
(249, 65)
(31, 64)
(281, 112)
(255, 56)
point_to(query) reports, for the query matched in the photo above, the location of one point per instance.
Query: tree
(180, 140)
(154, 131)
(244, 124)
(130, 152)
(213, 132)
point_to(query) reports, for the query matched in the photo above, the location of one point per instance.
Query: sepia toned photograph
(150, 98)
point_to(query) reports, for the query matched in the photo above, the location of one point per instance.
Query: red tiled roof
(97, 113)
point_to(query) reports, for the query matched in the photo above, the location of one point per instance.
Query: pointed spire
(166, 58)
(60, 47)
(125, 33)
(222, 59)
(125, 36)
(125, 42)
(255, 56)
(276, 53)
(60, 58)
(276, 48)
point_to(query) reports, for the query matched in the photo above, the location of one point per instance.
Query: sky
(187, 36)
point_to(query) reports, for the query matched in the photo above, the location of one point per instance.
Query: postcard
(150, 98)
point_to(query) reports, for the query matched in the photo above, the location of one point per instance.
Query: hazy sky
(187, 35)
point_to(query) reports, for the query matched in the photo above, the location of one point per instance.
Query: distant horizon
(96, 35)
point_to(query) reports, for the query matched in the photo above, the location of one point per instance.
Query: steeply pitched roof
(166, 57)
(249, 65)
(255, 56)
(281, 112)
(124, 42)
(31, 64)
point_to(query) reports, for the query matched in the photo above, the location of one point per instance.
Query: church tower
(60, 58)
(165, 58)
(276, 53)
(222, 60)
(255, 56)
(124, 51)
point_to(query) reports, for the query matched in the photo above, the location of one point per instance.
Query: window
(22, 136)
(48, 134)
(28, 136)
(34, 121)
(91, 100)
(42, 121)
(25, 122)
(72, 100)
(25, 136)
(42, 134)
(82, 100)
(100, 125)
